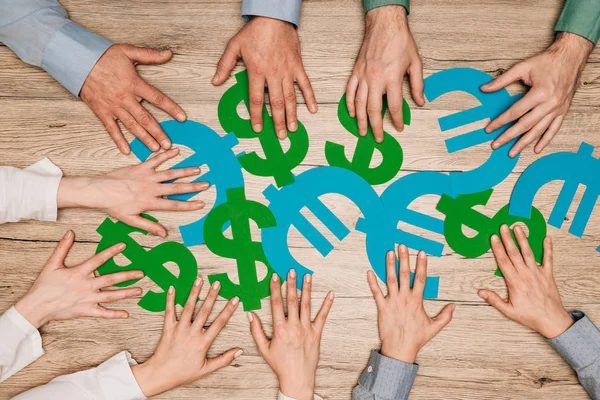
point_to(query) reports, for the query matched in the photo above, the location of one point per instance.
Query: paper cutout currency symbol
(382, 230)
(391, 152)
(573, 168)
(499, 164)
(239, 211)
(209, 149)
(277, 162)
(459, 212)
(152, 262)
(287, 203)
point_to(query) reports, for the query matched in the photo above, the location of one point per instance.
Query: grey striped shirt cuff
(284, 10)
(580, 344)
(387, 378)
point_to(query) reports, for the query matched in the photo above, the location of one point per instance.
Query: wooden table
(479, 355)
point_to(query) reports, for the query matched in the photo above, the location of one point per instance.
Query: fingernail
(281, 134)
(504, 227)
(314, 108)
(331, 295)
(139, 274)
(181, 117)
(257, 128)
(421, 254)
(275, 277)
(121, 246)
(293, 126)
(163, 234)
(403, 248)
(154, 147)
(308, 278)
(292, 273)
(197, 170)
(68, 234)
(197, 282)
(164, 53)
(495, 145)
(495, 238)
(215, 78)
(124, 316)
(238, 353)
(250, 316)
(235, 301)
(171, 289)
(204, 185)
(138, 291)
(483, 295)
(390, 254)
(216, 285)
(165, 144)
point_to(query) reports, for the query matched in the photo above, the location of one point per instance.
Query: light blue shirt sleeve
(284, 10)
(41, 34)
(385, 379)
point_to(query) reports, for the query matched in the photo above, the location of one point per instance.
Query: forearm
(41, 34)
(78, 192)
(580, 347)
(284, 10)
(385, 378)
(581, 17)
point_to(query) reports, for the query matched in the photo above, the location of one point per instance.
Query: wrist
(574, 47)
(33, 311)
(73, 192)
(298, 389)
(557, 325)
(150, 380)
(387, 16)
(407, 354)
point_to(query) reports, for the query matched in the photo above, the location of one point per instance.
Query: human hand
(404, 326)
(554, 76)
(270, 49)
(180, 357)
(388, 53)
(293, 351)
(113, 90)
(533, 298)
(127, 192)
(61, 293)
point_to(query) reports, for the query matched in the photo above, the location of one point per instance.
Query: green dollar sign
(277, 163)
(239, 212)
(459, 212)
(151, 262)
(391, 152)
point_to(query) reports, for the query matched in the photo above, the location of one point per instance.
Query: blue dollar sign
(287, 203)
(225, 171)
(499, 164)
(573, 168)
(383, 232)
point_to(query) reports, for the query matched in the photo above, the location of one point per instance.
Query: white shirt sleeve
(29, 193)
(20, 343)
(282, 396)
(111, 380)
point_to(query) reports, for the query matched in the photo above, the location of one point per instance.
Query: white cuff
(282, 396)
(117, 380)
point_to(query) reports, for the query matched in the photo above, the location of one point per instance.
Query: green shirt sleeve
(581, 17)
(371, 4)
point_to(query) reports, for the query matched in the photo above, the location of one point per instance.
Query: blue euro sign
(572, 168)
(286, 204)
(225, 171)
(383, 234)
(499, 164)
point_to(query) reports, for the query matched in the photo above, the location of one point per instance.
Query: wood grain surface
(479, 355)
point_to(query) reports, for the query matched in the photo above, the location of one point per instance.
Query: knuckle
(257, 100)
(145, 119)
(277, 104)
(290, 96)
(159, 99)
(394, 108)
(121, 95)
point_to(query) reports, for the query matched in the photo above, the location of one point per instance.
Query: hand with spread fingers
(404, 326)
(113, 91)
(127, 192)
(553, 77)
(270, 49)
(387, 54)
(533, 298)
(293, 351)
(181, 355)
(61, 293)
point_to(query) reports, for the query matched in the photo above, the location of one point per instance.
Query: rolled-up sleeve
(580, 347)
(41, 34)
(371, 4)
(284, 10)
(581, 17)
(30, 193)
(385, 378)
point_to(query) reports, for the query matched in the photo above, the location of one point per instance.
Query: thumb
(144, 55)
(216, 363)
(494, 300)
(444, 317)
(512, 75)
(258, 333)
(227, 63)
